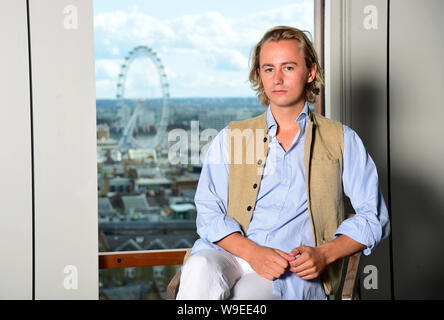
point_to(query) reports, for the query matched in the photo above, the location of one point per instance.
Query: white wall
(15, 161)
(62, 73)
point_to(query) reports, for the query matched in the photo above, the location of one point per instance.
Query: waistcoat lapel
(245, 176)
(307, 158)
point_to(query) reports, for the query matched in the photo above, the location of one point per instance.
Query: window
(178, 66)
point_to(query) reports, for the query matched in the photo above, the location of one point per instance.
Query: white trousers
(218, 275)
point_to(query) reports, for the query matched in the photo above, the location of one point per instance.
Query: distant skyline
(204, 45)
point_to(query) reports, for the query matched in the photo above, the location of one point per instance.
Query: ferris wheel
(127, 140)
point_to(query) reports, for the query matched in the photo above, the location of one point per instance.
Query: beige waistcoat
(323, 171)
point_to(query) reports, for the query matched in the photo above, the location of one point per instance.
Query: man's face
(284, 73)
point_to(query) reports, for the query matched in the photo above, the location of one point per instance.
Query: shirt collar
(271, 122)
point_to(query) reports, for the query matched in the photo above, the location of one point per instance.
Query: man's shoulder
(326, 124)
(331, 133)
(322, 120)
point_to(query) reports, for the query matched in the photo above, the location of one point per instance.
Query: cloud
(205, 50)
(107, 68)
(105, 88)
(206, 31)
(112, 22)
(228, 59)
(115, 51)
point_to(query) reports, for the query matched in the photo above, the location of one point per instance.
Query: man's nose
(278, 77)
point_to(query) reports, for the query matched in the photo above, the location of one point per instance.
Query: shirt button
(249, 208)
(255, 186)
(259, 162)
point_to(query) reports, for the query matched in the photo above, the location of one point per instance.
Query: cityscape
(145, 200)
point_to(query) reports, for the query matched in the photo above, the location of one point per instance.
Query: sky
(203, 45)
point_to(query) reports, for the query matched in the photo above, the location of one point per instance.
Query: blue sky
(204, 45)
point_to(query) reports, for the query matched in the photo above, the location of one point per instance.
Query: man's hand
(268, 262)
(310, 264)
(312, 261)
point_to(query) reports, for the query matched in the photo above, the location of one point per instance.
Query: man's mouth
(279, 91)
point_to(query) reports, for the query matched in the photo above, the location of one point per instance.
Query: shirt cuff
(359, 230)
(223, 227)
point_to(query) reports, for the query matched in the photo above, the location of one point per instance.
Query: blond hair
(286, 33)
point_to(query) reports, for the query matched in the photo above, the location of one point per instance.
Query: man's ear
(312, 73)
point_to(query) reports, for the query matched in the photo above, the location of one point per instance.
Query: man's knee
(208, 262)
(197, 263)
(205, 277)
(253, 287)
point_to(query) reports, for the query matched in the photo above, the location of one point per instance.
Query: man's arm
(267, 262)
(361, 232)
(312, 261)
(211, 199)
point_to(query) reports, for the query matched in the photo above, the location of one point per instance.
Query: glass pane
(143, 283)
(168, 76)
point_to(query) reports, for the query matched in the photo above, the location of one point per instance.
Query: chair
(349, 288)
(173, 287)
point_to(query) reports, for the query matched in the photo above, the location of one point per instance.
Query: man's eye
(268, 70)
(288, 68)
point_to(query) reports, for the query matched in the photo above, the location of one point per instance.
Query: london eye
(127, 140)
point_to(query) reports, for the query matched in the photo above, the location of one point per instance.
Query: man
(280, 233)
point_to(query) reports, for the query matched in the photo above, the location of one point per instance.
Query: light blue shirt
(280, 218)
